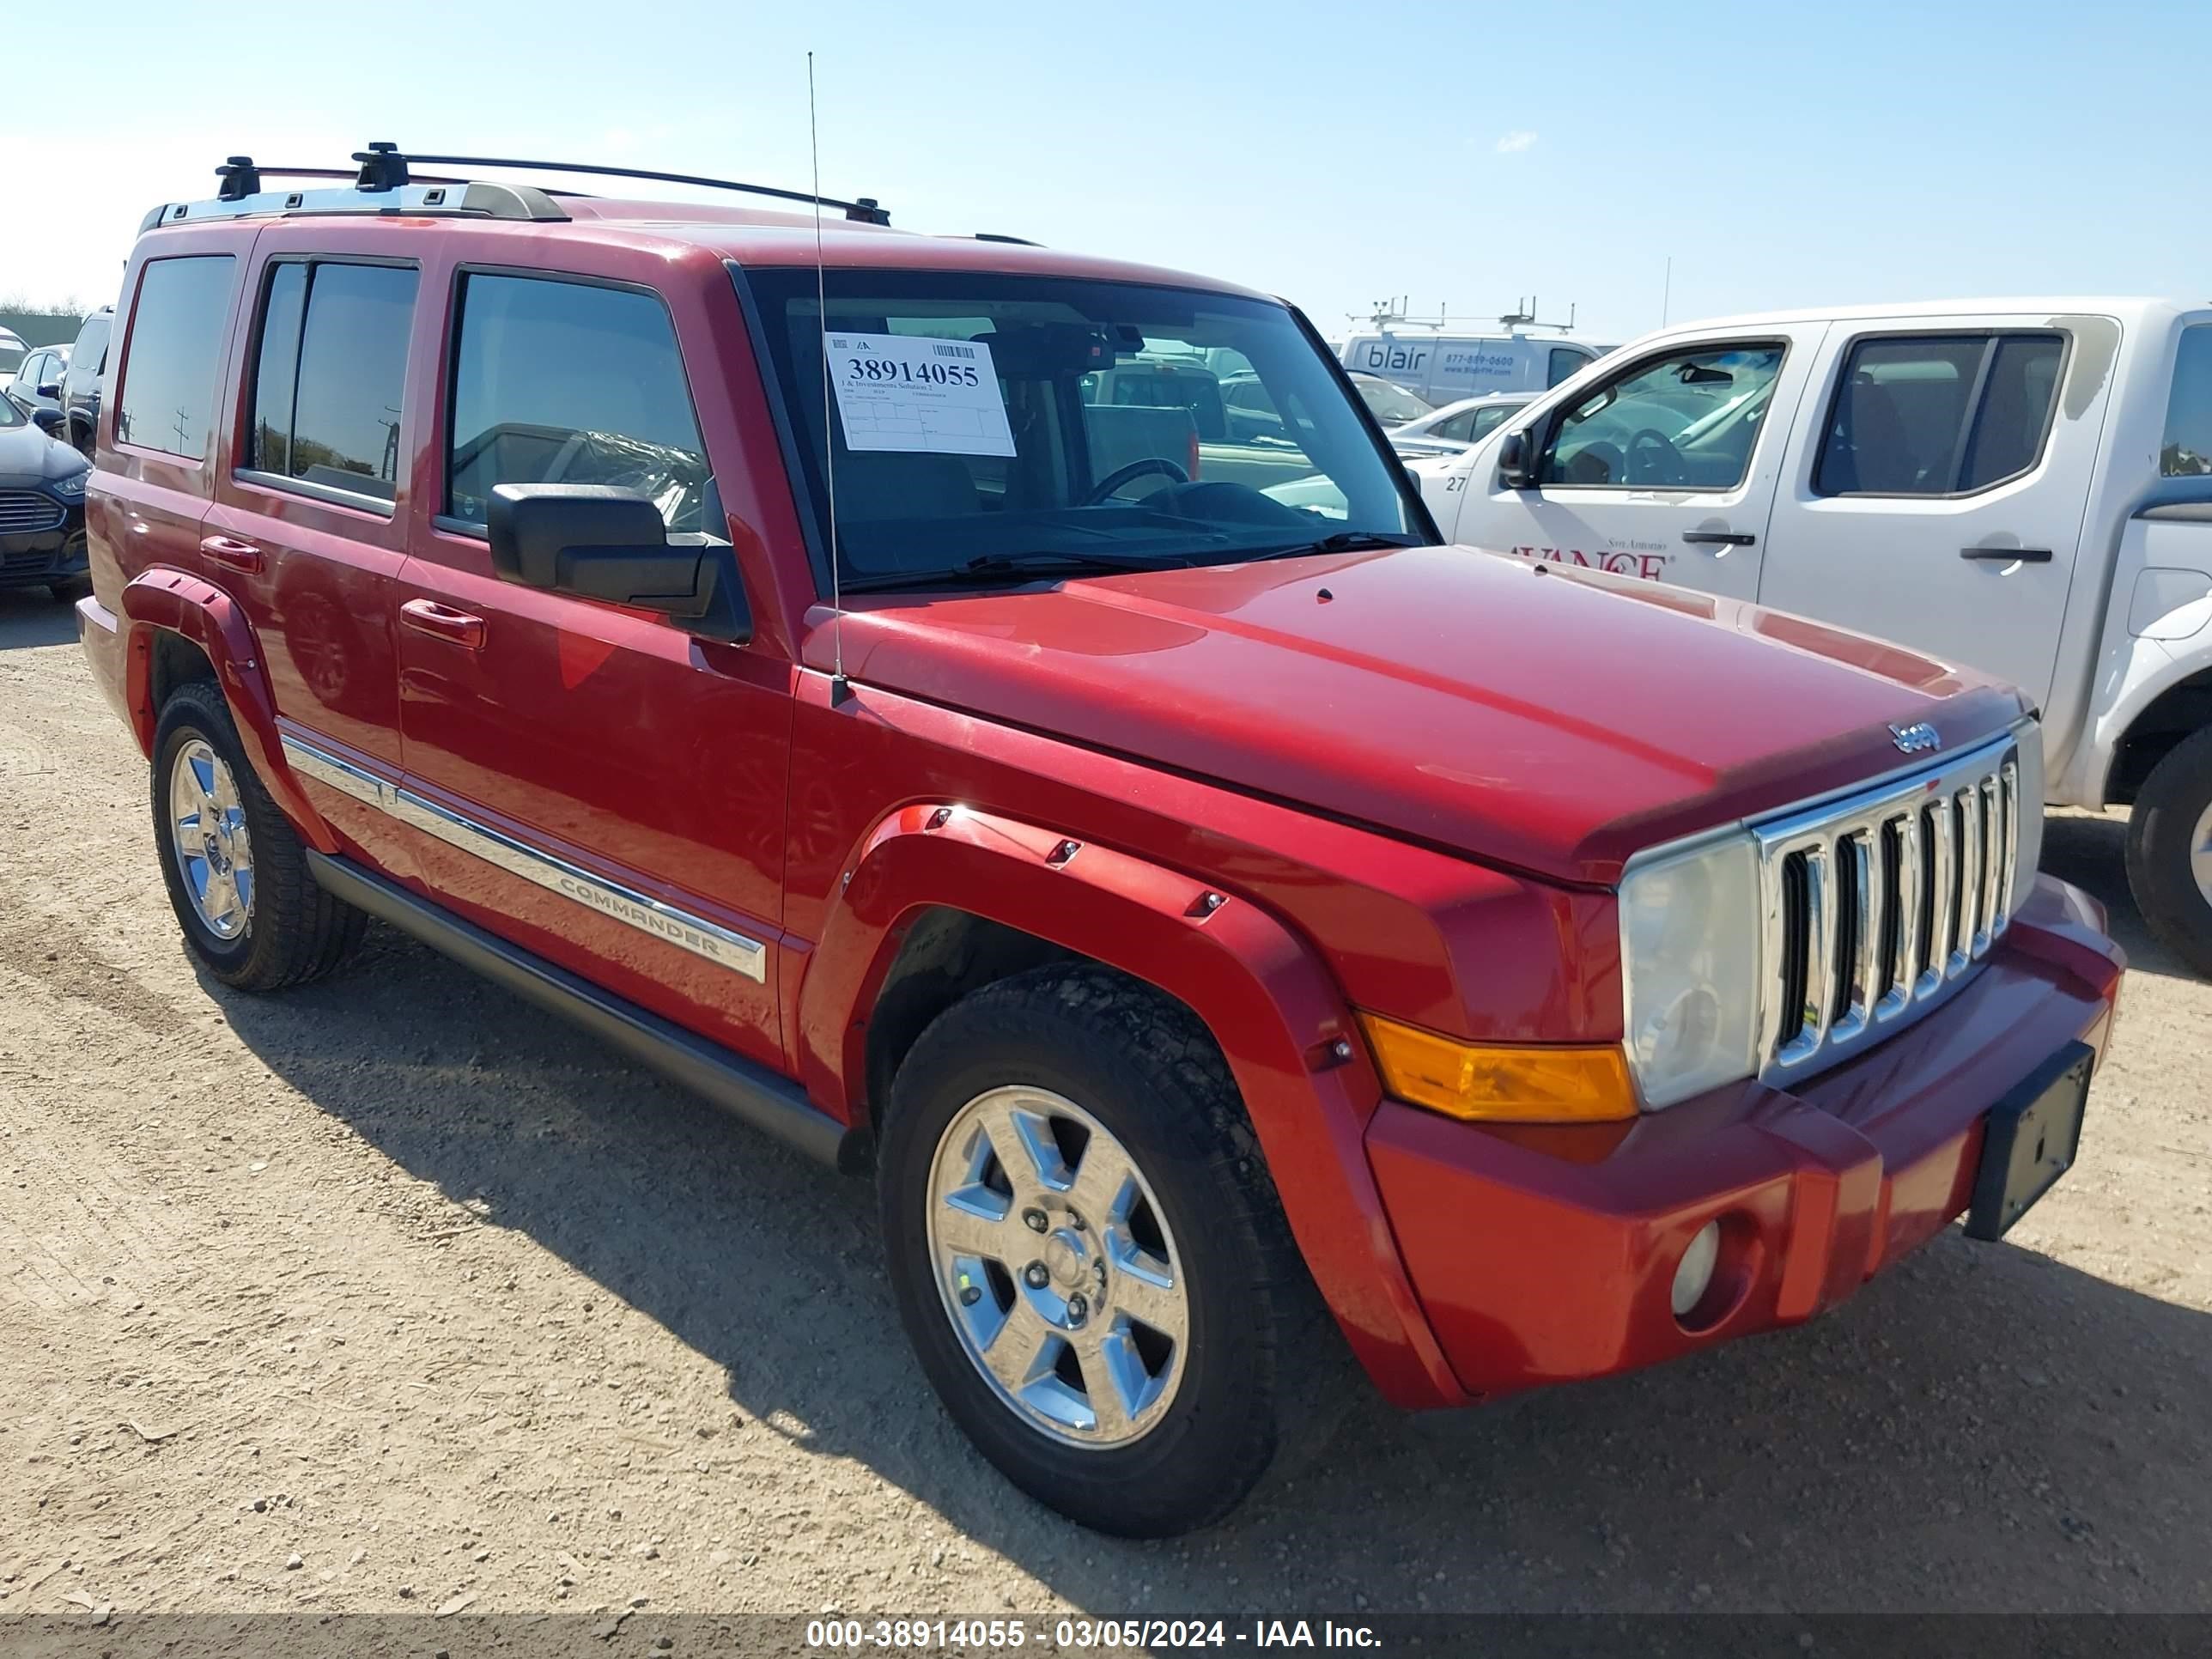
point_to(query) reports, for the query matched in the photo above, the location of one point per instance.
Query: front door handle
(1718, 537)
(2008, 555)
(228, 549)
(442, 621)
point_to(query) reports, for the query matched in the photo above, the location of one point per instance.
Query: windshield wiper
(1025, 566)
(1343, 541)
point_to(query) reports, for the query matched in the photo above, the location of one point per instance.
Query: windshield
(981, 420)
(9, 415)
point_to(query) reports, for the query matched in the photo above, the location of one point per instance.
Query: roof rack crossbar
(242, 175)
(865, 211)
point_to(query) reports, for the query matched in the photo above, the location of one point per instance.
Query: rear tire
(237, 875)
(1196, 1239)
(2170, 851)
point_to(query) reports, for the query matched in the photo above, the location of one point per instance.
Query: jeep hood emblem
(1913, 739)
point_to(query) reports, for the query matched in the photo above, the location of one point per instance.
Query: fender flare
(2140, 675)
(164, 599)
(1281, 1023)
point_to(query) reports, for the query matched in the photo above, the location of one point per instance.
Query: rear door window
(1939, 414)
(2187, 450)
(1459, 428)
(175, 353)
(329, 372)
(1487, 421)
(569, 382)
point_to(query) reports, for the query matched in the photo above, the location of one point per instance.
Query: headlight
(71, 487)
(1689, 953)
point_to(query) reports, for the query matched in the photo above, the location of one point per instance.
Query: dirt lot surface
(392, 1294)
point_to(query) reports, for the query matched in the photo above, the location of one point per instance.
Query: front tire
(2169, 850)
(237, 876)
(1087, 1253)
(70, 589)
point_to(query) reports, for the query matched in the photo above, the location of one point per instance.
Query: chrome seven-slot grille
(24, 512)
(1877, 905)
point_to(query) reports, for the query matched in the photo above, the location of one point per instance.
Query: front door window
(1687, 421)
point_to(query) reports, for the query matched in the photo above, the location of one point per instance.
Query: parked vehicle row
(792, 656)
(2022, 485)
(58, 386)
(42, 539)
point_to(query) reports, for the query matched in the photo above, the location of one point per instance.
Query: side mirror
(599, 542)
(51, 389)
(48, 420)
(1516, 467)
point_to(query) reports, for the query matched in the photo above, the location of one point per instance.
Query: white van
(1444, 367)
(2020, 486)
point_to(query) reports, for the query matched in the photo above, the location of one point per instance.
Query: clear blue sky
(1783, 153)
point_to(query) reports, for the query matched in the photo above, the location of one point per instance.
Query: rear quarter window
(174, 353)
(2186, 450)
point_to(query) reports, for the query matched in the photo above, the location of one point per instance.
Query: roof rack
(385, 182)
(864, 210)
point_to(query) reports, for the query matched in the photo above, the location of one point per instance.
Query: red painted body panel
(1534, 1268)
(1267, 998)
(1414, 798)
(165, 600)
(1481, 704)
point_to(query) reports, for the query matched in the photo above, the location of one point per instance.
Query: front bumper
(1543, 1257)
(28, 558)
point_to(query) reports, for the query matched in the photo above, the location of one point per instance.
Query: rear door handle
(228, 549)
(1718, 537)
(2008, 555)
(442, 621)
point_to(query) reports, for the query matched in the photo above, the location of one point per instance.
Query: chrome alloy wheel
(2200, 855)
(207, 823)
(1056, 1267)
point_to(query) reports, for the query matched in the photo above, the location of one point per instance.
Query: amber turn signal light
(1487, 1082)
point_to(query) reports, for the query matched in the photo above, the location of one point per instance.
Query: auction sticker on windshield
(907, 391)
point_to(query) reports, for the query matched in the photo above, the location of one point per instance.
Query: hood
(1549, 721)
(27, 456)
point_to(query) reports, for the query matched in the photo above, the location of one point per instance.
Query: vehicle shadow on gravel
(1981, 1428)
(2090, 851)
(29, 617)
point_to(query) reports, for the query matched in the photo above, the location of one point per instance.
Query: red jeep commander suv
(806, 655)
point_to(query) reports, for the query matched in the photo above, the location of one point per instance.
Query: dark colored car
(1216, 925)
(41, 508)
(87, 365)
(35, 387)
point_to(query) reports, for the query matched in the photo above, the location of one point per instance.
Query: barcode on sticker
(966, 351)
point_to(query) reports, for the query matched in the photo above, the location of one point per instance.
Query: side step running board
(740, 1086)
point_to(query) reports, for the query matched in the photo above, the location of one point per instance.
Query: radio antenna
(840, 688)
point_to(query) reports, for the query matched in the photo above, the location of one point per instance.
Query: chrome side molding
(708, 940)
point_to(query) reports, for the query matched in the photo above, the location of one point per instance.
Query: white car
(1449, 430)
(1391, 404)
(2022, 487)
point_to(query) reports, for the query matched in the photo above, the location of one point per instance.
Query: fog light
(1694, 1277)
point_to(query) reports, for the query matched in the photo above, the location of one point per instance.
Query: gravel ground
(389, 1295)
